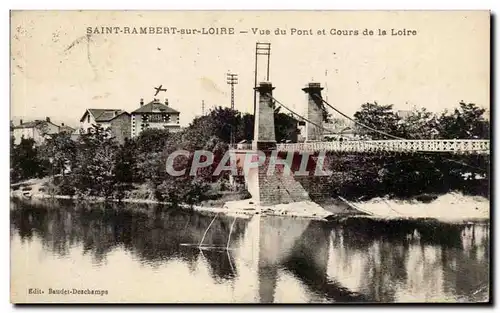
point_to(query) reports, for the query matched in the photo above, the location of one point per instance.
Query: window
(88, 118)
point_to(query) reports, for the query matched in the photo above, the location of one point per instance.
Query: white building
(38, 130)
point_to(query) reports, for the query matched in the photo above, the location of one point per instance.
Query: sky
(59, 71)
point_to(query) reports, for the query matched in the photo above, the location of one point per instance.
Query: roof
(33, 124)
(66, 129)
(103, 115)
(155, 107)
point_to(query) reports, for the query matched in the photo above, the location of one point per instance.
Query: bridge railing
(240, 146)
(438, 145)
(454, 146)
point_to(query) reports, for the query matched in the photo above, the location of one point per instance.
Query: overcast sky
(58, 71)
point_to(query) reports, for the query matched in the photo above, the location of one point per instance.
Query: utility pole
(203, 107)
(232, 79)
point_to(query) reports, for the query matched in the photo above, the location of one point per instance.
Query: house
(66, 129)
(101, 117)
(340, 128)
(116, 121)
(120, 127)
(154, 115)
(403, 113)
(38, 130)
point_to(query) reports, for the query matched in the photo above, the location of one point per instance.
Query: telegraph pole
(232, 79)
(202, 107)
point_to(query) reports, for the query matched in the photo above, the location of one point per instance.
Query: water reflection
(411, 261)
(269, 259)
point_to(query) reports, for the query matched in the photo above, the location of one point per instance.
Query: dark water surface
(150, 254)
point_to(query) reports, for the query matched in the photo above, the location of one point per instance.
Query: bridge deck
(458, 146)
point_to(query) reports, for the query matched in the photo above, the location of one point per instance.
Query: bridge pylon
(314, 112)
(264, 134)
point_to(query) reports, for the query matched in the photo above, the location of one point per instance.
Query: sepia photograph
(250, 157)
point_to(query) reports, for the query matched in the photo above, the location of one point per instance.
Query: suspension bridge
(269, 190)
(315, 132)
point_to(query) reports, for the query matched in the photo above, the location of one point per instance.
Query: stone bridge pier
(264, 138)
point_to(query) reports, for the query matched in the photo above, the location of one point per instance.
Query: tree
(419, 124)
(25, 160)
(465, 122)
(224, 123)
(125, 169)
(379, 117)
(94, 171)
(248, 127)
(59, 151)
(146, 159)
(152, 140)
(285, 126)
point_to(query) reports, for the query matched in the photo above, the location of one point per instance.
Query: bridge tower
(314, 112)
(264, 135)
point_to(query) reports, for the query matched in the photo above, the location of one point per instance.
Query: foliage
(25, 160)
(285, 127)
(465, 122)
(184, 189)
(376, 116)
(230, 125)
(151, 140)
(125, 167)
(419, 124)
(95, 165)
(60, 151)
(94, 170)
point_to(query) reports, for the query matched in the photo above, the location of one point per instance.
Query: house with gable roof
(116, 121)
(38, 130)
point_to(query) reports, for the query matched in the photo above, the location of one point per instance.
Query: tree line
(95, 165)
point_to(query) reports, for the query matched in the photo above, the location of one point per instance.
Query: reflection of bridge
(297, 260)
(292, 249)
(268, 259)
(264, 188)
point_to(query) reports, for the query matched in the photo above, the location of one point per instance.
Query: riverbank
(228, 203)
(450, 207)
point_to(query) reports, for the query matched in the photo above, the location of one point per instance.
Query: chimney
(166, 101)
(142, 102)
(47, 119)
(20, 121)
(62, 124)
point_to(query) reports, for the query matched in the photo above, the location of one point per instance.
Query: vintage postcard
(250, 157)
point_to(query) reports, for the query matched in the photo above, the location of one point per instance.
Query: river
(139, 253)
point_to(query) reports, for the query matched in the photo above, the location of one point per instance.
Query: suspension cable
(384, 133)
(368, 142)
(299, 116)
(356, 122)
(317, 125)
